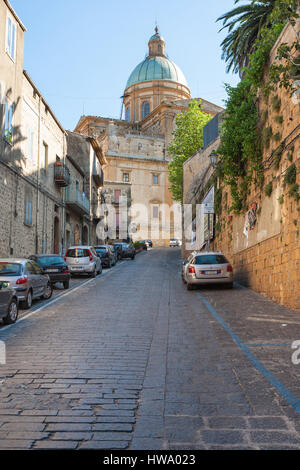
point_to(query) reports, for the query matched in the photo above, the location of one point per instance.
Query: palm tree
(243, 23)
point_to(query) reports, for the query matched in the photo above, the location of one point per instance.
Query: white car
(83, 260)
(174, 242)
(207, 268)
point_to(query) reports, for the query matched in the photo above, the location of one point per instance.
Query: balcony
(77, 201)
(61, 175)
(98, 174)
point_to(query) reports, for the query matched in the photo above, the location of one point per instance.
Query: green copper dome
(156, 68)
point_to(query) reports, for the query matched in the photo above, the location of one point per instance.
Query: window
(36, 267)
(11, 39)
(210, 259)
(127, 114)
(125, 177)
(28, 209)
(8, 122)
(155, 179)
(44, 162)
(145, 109)
(30, 268)
(155, 212)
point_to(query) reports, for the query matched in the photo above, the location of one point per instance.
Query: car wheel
(189, 286)
(28, 301)
(12, 313)
(66, 285)
(48, 292)
(93, 275)
(229, 286)
(109, 265)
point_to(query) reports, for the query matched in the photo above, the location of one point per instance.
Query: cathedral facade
(136, 147)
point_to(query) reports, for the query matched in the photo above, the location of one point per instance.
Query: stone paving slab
(149, 368)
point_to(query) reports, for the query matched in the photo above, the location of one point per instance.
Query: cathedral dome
(157, 66)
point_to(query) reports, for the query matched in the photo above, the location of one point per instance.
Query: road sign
(209, 208)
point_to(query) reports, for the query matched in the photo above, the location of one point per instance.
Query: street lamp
(214, 157)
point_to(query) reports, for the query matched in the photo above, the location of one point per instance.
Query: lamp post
(213, 161)
(214, 158)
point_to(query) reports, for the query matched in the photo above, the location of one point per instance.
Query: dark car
(114, 253)
(144, 244)
(108, 258)
(127, 250)
(56, 268)
(118, 250)
(9, 305)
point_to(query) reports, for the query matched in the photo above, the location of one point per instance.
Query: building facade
(37, 175)
(263, 243)
(136, 149)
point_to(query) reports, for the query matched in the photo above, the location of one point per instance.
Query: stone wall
(268, 259)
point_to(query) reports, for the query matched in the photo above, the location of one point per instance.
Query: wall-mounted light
(214, 157)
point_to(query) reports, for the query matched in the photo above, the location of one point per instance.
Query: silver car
(8, 304)
(174, 242)
(27, 278)
(83, 260)
(207, 268)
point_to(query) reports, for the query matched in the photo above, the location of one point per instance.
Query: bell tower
(157, 45)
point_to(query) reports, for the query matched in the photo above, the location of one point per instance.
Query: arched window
(127, 114)
(145, 109)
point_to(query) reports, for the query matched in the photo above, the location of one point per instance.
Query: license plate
(211, 272)
(52, 270)
(76, 268)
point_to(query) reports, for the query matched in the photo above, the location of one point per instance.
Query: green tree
(244, 24)
(187, 140)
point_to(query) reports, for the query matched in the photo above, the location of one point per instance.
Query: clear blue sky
(80, 53)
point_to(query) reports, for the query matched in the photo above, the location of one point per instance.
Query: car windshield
(10, 269)
(101, 250)
(211, 259)
(78, 253)
(50, 260)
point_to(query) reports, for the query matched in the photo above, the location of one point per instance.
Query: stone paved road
(131, 360)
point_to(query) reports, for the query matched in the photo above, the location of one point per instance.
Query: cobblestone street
(132, 360)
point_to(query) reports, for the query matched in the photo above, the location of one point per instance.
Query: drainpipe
(37, 180)
(63, 234)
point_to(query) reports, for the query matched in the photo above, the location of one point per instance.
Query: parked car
(127, 250)
(116, 252)
(107, 256)
(56, 268)
(83, 260)
(9, 304)
(27, 278)
(174, 242)
(207, 268)
(118, 249)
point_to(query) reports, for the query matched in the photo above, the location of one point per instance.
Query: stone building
(36, 213)
(263, 244)
(136, 149)
(83, 195)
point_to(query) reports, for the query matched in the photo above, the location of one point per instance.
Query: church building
(136, 148)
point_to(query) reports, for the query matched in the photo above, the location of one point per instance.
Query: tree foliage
(187, 140)
(241, 135)
(244, 24)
